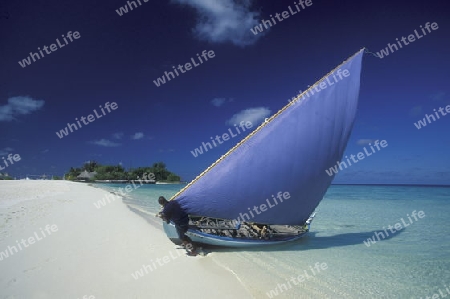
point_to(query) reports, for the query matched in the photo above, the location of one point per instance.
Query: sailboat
(265, 189)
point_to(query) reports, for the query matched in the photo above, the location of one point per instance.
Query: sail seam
(293, 102)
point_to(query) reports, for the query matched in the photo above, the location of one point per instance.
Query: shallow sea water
(411, 263)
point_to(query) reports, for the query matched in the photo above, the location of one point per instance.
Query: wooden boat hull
(199, 237)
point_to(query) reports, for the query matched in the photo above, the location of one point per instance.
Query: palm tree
(90, 166)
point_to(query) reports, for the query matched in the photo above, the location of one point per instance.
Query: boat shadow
(312, 241)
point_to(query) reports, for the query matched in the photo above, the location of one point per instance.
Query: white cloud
(438, 96)
(253, 115)
(105, 142)
(19, 106)
(118, 135)
(220, 101)
(365, 141)
(224, 21)
(5, 151)
(414, 111)
(137, 136)
(45, 151)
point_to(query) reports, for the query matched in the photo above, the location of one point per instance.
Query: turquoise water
(411, 263)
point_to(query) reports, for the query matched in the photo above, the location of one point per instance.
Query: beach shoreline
(93, 252)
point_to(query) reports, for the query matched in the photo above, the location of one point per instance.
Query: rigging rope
(366, 51)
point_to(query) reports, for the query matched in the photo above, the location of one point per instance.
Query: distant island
(5, 176)
(96, 172)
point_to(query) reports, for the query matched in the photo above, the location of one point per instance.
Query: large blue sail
(288, 153)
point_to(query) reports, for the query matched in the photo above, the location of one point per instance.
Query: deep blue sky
(117, 58)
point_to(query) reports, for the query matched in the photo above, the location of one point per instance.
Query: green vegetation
(110, 172)
(5, 176)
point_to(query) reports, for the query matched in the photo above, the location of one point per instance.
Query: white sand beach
(54, 243)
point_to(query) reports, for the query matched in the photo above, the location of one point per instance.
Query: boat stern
(171, 233)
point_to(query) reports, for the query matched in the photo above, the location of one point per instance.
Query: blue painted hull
(203, 238)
